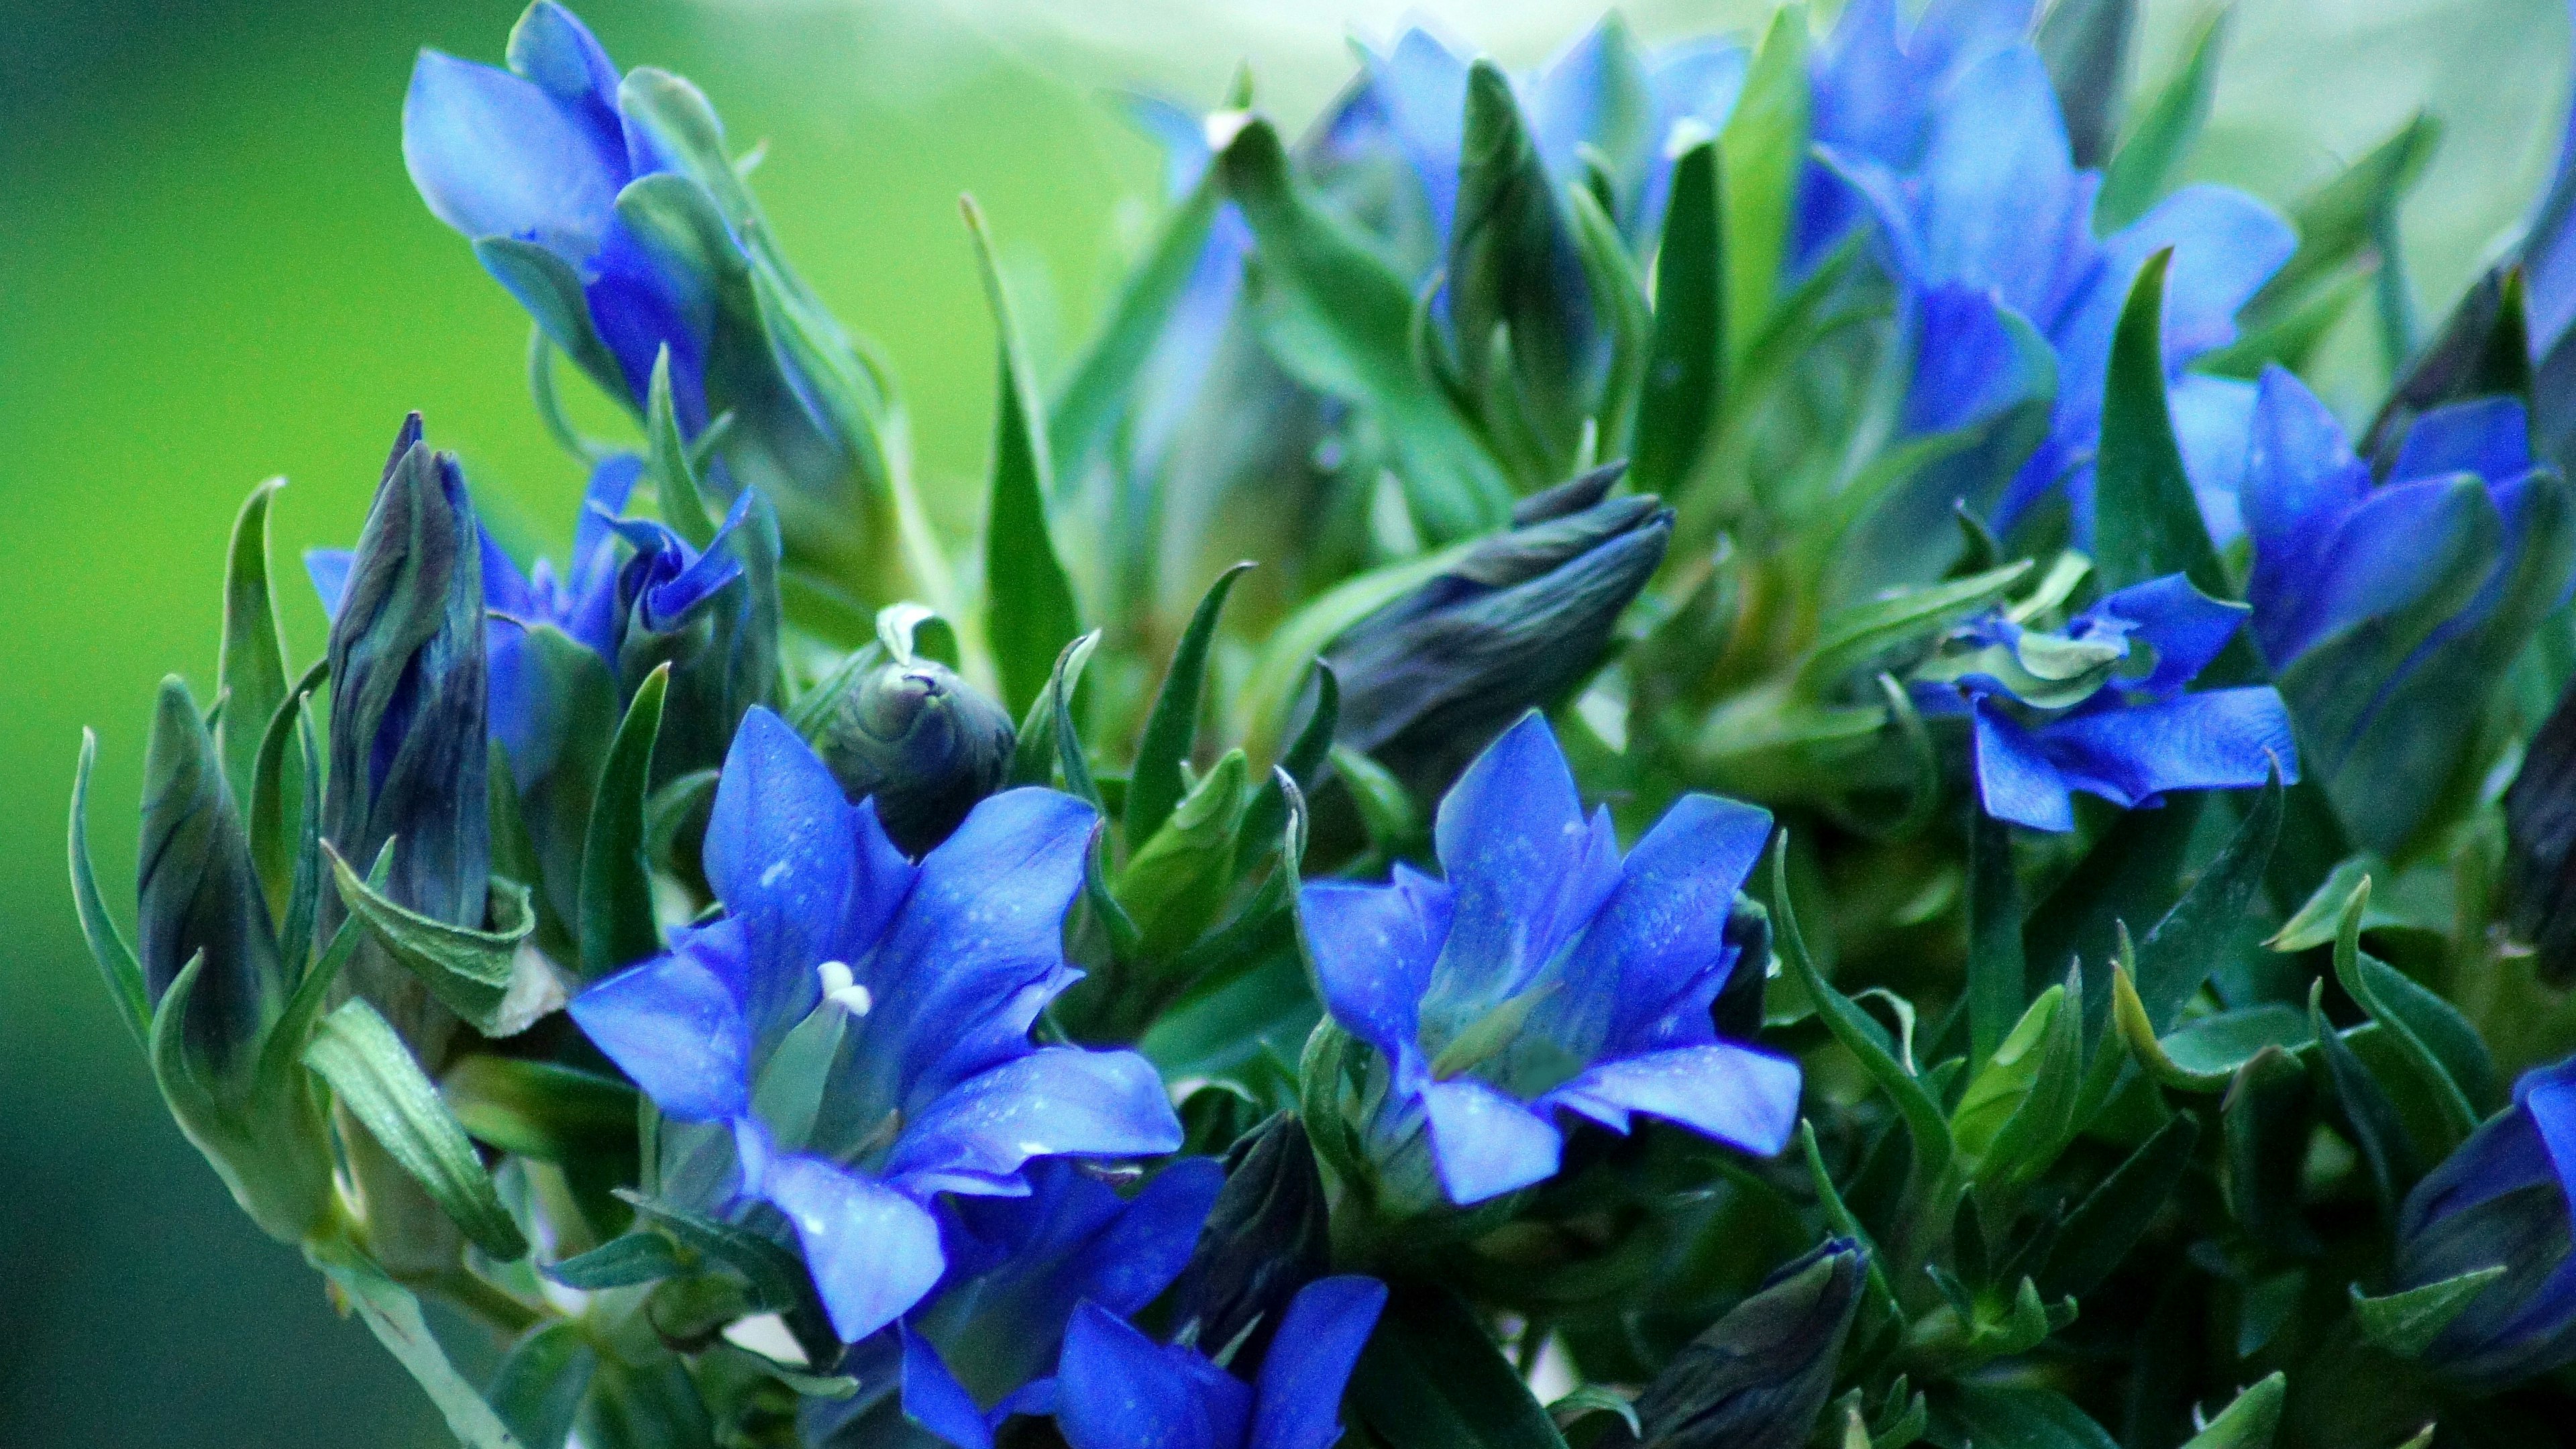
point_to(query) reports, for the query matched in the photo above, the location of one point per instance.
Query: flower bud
(1267, 1237)
(2540, 840)
(712, 616)
(408, 748)
(200, 896)
(1428, 681)
(1757, 1378)
(923, 743)
(2502, 1199)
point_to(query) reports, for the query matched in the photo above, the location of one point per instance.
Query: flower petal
(2489, 436)
(675, 1027)
(1485, 1143)
(873, 1251)
(933, 1399)
(1650, 962)
(2184, 626)
(1310, 1362)
(1118, 1389)
(1373, 947)
(2219, 739)
(329, 570)
(2212, 418)
(2015, 781)
(1525, 869)
(495, 155)
(1056, 1101)
(1741, 1097)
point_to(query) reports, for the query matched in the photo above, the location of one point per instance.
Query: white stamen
(842, 990)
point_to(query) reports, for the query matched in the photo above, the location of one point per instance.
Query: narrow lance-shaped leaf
(375, 1078)
(393, 1315)
(1764, 148)
(252, 666)
(2086, 46)
(1029, 609)
(2146, 162)
(1998, 978)
(2186, 945)
(617, 922)
(269, 845)
(1431, 1379)
(539, 1387)
(2147, 522)
(667, 462)
(1093, 397)
(1686, 360)
(1154, 785)
(107, 946)
(474, 973)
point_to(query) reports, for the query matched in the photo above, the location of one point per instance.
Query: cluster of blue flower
(872, 1060)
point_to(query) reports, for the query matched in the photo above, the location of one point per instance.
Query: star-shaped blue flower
(1544, 973)
(2086, 708)
(1118, 1389)
(907, 991)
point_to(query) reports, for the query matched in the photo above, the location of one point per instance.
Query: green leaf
(116, 963)
(641, 1256)
(551, 290)
(2085, 44)
(540, 1110)
(549, 402)
(1049, 722)
(2268, 1116)
(2250, 1421)
(2103, 1227)
(1302, 763)
(2146, 162)
(1839, 1217)
(1029, 609)
(1512, 270)
(2406, 1323)
(1860, 634)
(1154, 786)
(1097, 393)
(2316, 920)
(1763, 158)
(2336, 221)
(617, 922)
(2003, 1417)
(393, 1315)
(1686, 360)
(267, 803)
(2377, 989)
(1430, 1379)
(1998, 976)
(2178, 955)
(1620, 313)
(2147, 522)
(2204, 1054)
(1864, 1038)
(538, 1389)
(252, 666)
(2016, 1112)
(1337, 317)
(777, 1278)
(479, 975)
(667, 461)
(375, 1078)
(2369, 1115)
(1296, 644)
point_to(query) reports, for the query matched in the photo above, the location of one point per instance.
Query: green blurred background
(213, 270)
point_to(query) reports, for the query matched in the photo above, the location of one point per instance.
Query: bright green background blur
(213, 270)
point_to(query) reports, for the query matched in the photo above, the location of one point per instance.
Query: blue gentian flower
(983, 1346)
(858, 1024)
(2086, 708)
(2376, 598)
(1545, 973)
(2504, 1198)
(540, 153)
(1990, 233)
(1118, 1389)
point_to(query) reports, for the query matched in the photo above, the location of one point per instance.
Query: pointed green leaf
(1998, 977)
(374, 1077)
(548, 287)
(2112, 1217)
(252, 666)
(482, 976)
(1686, 361)
(1154, 785)
(2336, 220)
(617, 923)
(2086, 46)
(2147, 522)
(1856, 635)
(538, 1389)
(539, 1110)
(1864, 1038)
(1764, 157)
(2189, 942)
(1620, 313)
(2147, 161)
(1430, 1379)
(2406, 1323)
(116, 961)
(2409, 1017)
(2369, 1115)
(667, 462)
(1029, 609)
(1097, 392)
(1301, 764)
(1034, 758)
(642, 1256)
(269, 847)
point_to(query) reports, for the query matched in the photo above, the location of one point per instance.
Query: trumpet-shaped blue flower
(540, 153)
(2383, 603)
(1118, 1389)
(983, 1346)
(1545, 974)
(2503, 1199)
(859, 1022)
(2088, 708)
(1990, 232)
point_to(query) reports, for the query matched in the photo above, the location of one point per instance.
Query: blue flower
(2086, 708)
(1546, 973)
(858, 1024)
(2504, 1198)
(983, 1346)
(1990, 232)
(1116, 1388)
(2383, 604)
(540, 153)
